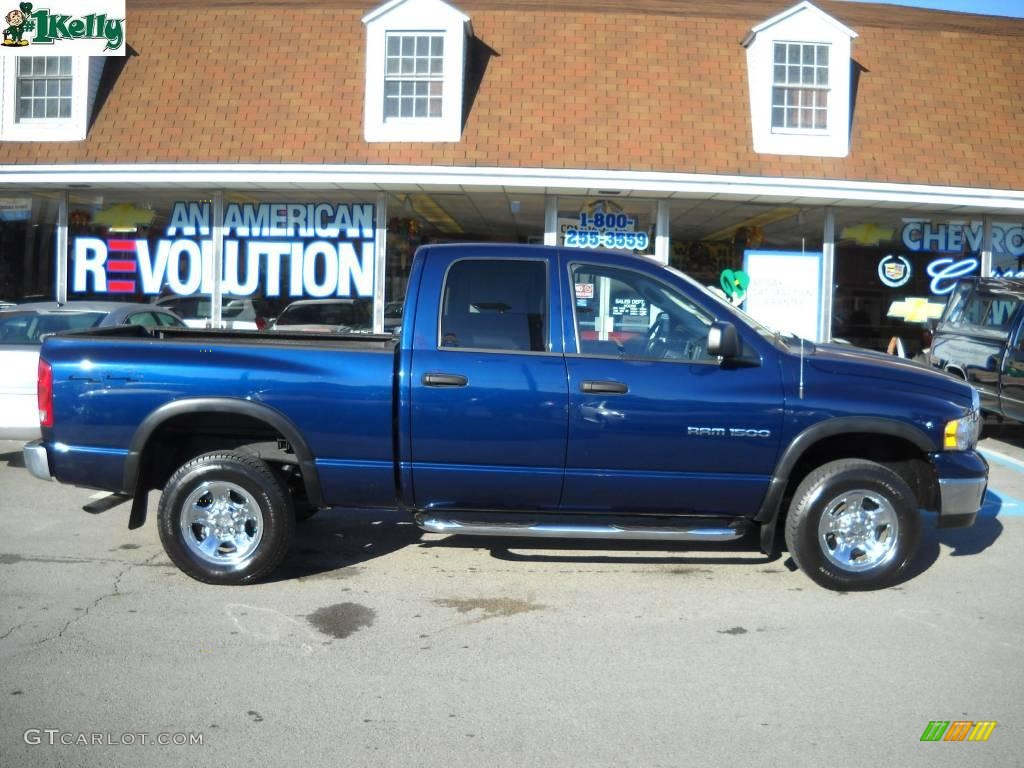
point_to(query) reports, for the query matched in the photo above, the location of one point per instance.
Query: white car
(326, 316)
(236, 314)
(22, 330)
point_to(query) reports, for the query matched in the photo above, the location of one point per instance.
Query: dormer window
(47, 98)
(799, 70)
(800, 87)
(43, 87)
(414, 75)
(415, 63)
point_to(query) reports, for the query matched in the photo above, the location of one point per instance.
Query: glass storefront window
(277, 248)
(895, 271)
(131, 246)
(301, 246)
(621, 224)
(1008, 248)
(28, 229)
(419, 218)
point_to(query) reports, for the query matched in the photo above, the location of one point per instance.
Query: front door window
(629, 315)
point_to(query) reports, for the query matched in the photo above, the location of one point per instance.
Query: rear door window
(169, 320)
(495, 305)
(145, 319)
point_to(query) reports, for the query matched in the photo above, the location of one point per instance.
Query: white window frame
(71, 128)
(803, 24)
(427, 77)
(800, 86)
(431, 17)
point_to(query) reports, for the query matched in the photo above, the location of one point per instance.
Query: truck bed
(337, 391)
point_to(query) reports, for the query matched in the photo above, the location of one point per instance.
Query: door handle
(604, 387)
(444, 380)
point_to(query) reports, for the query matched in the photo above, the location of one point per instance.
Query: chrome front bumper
(36, 460)
(961, 500)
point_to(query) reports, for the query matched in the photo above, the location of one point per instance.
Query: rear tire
(853, 525)
(224, 518)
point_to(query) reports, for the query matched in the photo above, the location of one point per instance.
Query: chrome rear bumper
(36, 460)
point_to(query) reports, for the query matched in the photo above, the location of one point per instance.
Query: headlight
(962, 434)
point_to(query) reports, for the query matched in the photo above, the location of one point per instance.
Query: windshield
(29, 328)
(764, 331)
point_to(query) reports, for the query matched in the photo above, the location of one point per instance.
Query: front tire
(224, 518)
(853, 525)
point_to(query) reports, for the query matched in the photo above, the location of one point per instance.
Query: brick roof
(570, 84)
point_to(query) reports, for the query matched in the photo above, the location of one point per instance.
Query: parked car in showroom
(980, 339)
(242, 314)
(326, 316)
(393, 317)
(22, 330)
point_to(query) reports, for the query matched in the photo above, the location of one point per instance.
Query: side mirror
(723, 341)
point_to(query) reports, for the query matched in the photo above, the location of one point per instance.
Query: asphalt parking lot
(376, 645)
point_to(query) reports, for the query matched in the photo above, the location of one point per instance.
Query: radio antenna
(801, 367)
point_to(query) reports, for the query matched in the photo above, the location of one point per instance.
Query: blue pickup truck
(533, 392)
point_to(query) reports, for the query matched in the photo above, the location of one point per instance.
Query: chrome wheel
(221, 523)
(858, 531)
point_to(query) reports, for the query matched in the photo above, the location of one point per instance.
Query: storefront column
(661, 233)
(62, 247)
(380, 241)
(828, 264)
(551, 221)
(986, 247)
(216, 313)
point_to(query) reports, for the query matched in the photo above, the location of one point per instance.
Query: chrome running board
(689, 532)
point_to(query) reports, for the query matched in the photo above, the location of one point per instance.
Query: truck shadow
(523, 550)
(963, 542)
(336, 539)
(13, 459)
(980, 536)
(1011, 432)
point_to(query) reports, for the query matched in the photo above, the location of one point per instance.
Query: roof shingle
(660, 87)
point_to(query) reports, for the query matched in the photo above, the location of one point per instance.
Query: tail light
(261, 323)
(44, 390)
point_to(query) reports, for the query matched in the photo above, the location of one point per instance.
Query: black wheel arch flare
(222, 405)
(768, 514)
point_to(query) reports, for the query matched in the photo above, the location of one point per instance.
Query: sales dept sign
(294, 250)
(64, 28)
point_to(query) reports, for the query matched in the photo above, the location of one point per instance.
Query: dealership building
(836, 166)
